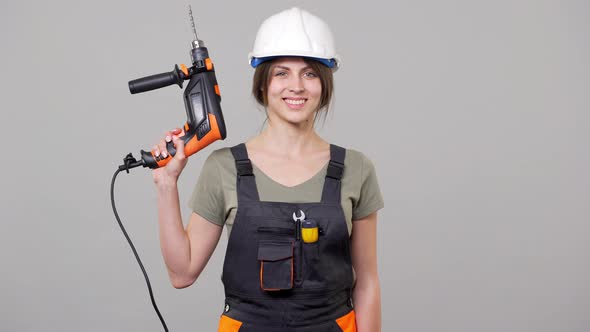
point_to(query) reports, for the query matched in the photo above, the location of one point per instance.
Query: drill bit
(198, 51)
(196, 43)
(190, 13)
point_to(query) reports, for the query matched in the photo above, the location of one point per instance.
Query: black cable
(134, 251)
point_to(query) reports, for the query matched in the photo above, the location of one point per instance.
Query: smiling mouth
(294, 101)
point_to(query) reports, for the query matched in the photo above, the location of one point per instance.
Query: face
(294, 90)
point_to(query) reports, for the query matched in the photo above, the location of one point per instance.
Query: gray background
(474, 113)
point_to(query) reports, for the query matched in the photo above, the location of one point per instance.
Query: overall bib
(274, 281)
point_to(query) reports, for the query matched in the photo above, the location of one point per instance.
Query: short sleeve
(207, 199)
(370, 198)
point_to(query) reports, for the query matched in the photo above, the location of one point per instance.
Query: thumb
(179, 146)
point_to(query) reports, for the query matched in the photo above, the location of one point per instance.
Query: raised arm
(185, 252)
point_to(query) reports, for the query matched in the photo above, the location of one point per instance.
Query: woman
(288, 199)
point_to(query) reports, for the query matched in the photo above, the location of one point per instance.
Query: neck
(288, 139)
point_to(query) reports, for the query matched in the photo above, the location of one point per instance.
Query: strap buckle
(244, 167)
(335, 170)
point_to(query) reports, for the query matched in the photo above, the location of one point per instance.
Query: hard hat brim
(255, 62)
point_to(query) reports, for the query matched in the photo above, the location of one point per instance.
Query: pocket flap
(275, 250)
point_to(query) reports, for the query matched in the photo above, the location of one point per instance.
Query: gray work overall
(273, 280)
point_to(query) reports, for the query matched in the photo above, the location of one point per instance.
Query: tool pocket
(312, 249)
(276, 264)
(313, 269)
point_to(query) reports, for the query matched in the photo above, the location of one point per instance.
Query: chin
(297, 118)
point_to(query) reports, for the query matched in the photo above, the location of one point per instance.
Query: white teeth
(295, 102)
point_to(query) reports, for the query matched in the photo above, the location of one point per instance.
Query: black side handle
(156, 81)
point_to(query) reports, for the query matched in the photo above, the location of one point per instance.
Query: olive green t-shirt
(215, 199)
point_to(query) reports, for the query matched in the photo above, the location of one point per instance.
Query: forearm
(174, 240)
(366, 297)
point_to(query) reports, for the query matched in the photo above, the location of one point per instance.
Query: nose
(296, 84)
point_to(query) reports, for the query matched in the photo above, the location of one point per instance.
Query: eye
(281, 73)
(310, 74)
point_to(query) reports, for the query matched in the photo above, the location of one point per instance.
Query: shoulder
(356, 161)
(354, 157)
(222, 161)
(361, 185)
(220, 157)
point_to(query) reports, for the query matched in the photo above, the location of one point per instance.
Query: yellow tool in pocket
(309, 231)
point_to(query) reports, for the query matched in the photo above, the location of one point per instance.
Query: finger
(156, 150)
(163, 150)
(179, 145)
(178, 133)
(168, 135)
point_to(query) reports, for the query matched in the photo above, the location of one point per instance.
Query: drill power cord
(130, 162)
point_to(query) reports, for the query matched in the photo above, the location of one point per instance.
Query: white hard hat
(294, 32)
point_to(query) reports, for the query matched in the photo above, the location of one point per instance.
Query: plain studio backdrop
(475, 114)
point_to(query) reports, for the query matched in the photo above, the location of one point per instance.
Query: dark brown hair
(262, 77)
